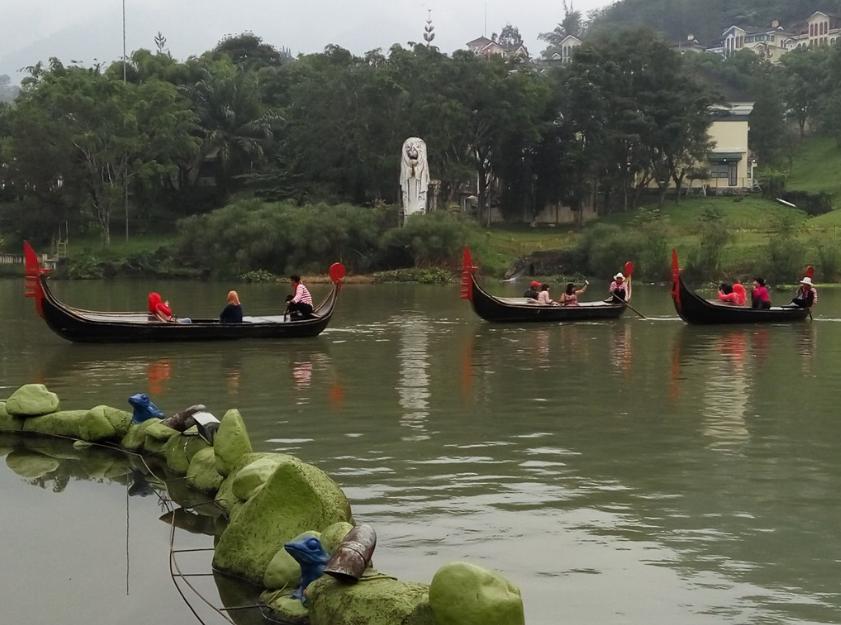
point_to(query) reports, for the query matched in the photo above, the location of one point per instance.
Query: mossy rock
(283, 570)
(32, 400)
(31, 465)
(157, 437)
(95, 426)
(375, 600)
(135, 438)
(296, 498)
(231, 442)
(8, 423)
(466, 594)
(333, 535)
(288, 609)
(225, 497)
(253, 475)
(62, 423)
(179, 450)
(202, 474)
(120, 420)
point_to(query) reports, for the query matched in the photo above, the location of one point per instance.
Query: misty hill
(707, 19)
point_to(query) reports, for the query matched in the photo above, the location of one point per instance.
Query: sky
(87, 31)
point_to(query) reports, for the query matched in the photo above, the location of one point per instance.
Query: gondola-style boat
(88, 326)
(693, 308)
(518, 309)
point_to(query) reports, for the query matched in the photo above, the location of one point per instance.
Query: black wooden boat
(88, 326)
(518, 309)
(693, 308)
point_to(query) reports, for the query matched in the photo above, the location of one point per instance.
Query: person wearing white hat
(619, 289)
(807, 295)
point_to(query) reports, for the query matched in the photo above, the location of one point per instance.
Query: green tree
(803, 70)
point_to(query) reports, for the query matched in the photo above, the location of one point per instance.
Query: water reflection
(413, 384)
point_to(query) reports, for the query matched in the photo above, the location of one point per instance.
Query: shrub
(430, 275)
(829, 260)
(772, 182)
(258, 275)
(425, 240)
(281, 237)
(812, 203)
(786, 255)
(714, 236)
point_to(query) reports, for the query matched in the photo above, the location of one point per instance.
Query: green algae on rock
(62, 423)
(466, 594)
(8, 423)
(292, 611)
(95, 426)
(252, 476)
(296, 498)
(231, 442)
(32, 400)
(202, 474)
(120, 420)
(179, 451)
(333, 535)
(283, 570)
(376, 599)
(135, 438)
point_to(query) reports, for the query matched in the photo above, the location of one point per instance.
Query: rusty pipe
(353, 555)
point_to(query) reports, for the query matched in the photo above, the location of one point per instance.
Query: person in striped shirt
(300, 305)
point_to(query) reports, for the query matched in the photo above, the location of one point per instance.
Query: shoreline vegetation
(718, 238)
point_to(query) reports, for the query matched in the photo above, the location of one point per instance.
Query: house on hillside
(819, 29)
(770, 43)
(729, 165)
(488, 48)
(729, 162)
(567, 48)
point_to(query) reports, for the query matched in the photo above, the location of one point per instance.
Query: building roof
(479, 42)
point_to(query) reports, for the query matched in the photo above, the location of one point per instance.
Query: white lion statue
(414, 176)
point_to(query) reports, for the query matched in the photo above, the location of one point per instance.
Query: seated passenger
(807, 295)
(299, 306)
(533, 291)
(543, 297)
(570, 296)
(759, 295)
(159, 310)
(232, 313)
(740, 292)
(726, 294)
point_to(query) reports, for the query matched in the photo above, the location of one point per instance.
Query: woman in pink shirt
(759, 296)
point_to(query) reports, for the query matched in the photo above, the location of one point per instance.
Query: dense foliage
(176, 139)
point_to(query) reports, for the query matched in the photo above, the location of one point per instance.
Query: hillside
(706, 19)
(815, 166)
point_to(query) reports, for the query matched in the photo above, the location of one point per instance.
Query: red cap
(535, 283)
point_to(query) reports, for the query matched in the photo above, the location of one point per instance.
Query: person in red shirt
(159, 310)
(740, 293)
(759, 296)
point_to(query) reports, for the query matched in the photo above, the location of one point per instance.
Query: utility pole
(125, 157)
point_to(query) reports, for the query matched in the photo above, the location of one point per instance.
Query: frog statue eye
(313, 544)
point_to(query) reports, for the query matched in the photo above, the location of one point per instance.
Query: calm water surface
(636, 471)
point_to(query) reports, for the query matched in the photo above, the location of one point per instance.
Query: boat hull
(694, 309)
(84, 326)
(494, 309)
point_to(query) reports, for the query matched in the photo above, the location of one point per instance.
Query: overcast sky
(84, 30)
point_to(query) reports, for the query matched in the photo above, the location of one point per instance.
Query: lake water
(631, 471)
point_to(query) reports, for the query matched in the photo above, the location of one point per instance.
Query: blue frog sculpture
(309, 553)
(144, 409)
